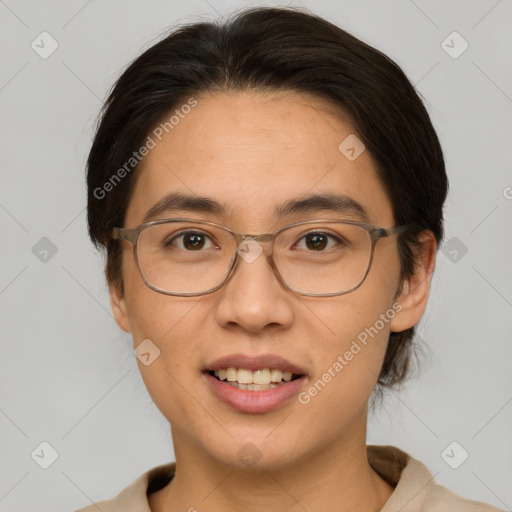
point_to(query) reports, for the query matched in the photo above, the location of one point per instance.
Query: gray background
(68, 374)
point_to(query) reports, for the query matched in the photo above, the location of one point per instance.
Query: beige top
(415, 489)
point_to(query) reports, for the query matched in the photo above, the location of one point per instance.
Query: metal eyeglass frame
(132, 235)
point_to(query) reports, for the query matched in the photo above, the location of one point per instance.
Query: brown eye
(189, 241)
(318, 241)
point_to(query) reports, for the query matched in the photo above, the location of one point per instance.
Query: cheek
(170, 330)
(357, 343)
(152, 315)
(362, 316)
(171, 323)
(350, 351)
(347, 370)
(168, 323)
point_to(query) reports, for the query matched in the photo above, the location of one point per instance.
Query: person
(269, 193)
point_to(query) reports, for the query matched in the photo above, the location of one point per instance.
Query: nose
(253, 297)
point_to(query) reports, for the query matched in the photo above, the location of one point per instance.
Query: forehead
(252, 152)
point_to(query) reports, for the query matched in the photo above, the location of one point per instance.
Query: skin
(254, 151)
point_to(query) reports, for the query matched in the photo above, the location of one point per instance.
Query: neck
(337, 477)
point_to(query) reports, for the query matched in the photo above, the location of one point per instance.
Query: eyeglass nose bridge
(264, 237)
(240, 238)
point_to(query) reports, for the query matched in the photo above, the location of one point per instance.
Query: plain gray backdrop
(68, 374)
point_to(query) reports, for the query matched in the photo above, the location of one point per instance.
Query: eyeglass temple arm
(399, 229)
(385, 232)
(129, 235)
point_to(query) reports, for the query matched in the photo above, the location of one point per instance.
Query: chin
(255, 451)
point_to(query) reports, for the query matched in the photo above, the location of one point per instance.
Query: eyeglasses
(188, 257)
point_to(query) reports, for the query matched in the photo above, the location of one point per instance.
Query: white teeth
(244, 376)
(264, 378)
(261, 387)
(276, 375)
(231, 374)
(260, 376)
(253, 387)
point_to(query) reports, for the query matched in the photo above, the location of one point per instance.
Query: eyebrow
(336, 203)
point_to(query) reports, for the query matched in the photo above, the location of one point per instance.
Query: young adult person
(269, 192)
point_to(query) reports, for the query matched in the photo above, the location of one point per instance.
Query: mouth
(257, 380)
(254, 384)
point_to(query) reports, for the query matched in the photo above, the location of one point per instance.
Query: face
(251, 153)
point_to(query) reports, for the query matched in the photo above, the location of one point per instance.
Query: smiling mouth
(258, 380)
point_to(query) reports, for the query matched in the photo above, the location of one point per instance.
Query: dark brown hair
(270, 49)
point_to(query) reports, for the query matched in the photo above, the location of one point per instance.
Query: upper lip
(255, 363)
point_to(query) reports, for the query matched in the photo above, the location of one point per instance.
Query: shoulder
(441, 499)
(415, 488)
(134, 497)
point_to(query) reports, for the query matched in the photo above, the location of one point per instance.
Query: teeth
(253, 387)
(276, 375)
(247, 379)
(231, 374)
(259, 376)
(287, 376)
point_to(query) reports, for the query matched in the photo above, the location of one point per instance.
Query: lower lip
(254, 401)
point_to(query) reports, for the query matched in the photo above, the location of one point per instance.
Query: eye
(318, 241)
(189, 241)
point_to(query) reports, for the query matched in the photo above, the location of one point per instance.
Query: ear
(414, 295)
(118, 304)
